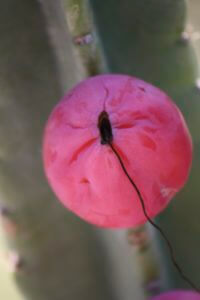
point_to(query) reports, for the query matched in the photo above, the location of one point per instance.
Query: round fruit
(146, 129)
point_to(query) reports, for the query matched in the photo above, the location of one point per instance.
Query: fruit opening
(105, 128)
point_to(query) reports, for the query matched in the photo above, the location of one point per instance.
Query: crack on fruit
(158, 114)
(142, 88)
(81, 149)
(60, 119)
(147, 141)
(75, 126)
(133, 117)
(84, 180)
(138, 115)
(124, 126)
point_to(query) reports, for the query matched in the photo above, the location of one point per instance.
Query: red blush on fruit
(146, 129)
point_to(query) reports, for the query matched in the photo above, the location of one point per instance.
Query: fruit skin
(178, 295)
(149, 133)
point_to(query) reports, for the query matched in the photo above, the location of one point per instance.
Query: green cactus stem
(87, 45)
(46, 253)
(89, 55)
(146, 38)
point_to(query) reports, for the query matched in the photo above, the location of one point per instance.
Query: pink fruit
(149, 134)
(178, 295)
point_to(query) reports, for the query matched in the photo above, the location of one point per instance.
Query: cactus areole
(146, 129)
(178, 295)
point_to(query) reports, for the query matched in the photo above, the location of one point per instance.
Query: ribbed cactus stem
(145, 38)
(45, 252)
(89, 55)
(140, 239)
(91, 61)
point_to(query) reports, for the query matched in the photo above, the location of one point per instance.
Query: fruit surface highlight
(148, 132)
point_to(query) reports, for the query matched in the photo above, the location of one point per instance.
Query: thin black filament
(171, 251)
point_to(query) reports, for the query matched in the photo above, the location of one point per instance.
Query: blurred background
(45, 251)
